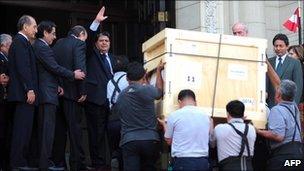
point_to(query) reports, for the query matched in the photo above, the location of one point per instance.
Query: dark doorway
(130, 22)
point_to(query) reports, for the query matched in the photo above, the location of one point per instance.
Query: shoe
(26, 168)
(56, 168)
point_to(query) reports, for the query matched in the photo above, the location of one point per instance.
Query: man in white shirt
(187, 131)
(116, 84)
(235, 139)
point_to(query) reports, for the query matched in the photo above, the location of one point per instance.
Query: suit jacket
(97, 79)
(71, 54)
(3, 64)
(292, 70)
(3, 69)
(22, 70)
(48, 73)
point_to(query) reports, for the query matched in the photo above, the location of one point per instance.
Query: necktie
(279, 67)
(106, 63)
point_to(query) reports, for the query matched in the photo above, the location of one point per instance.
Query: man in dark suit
(22, 89)
(71, 54)
(48, 73)
(286, 68)
(99, 72)
(5, 43)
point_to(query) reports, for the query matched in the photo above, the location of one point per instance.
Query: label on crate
(248, 102)
(192, 74)
(237, 72)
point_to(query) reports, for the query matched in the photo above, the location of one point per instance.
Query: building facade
(264, 18)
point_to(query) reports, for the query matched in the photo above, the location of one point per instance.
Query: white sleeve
(94, 25)
(170, 127)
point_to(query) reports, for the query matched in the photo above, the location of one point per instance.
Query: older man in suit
(71, 54)
(48, 73)
(286, 68)
(99, 72)
(5, 115)
(22, 89)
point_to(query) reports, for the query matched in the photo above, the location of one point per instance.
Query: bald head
(239, 29)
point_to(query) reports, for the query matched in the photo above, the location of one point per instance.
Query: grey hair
(242, 24)
(76, 30)
(288, 90)
(25, 19)
(4, 39)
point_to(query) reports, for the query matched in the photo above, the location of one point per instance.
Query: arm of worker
(168, 129)
(273, 76)
(270, 135)
(159, 80)
(211, 134)
(276, 125)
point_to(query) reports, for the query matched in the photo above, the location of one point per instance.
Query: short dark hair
(25, 19)
(185, 94)
(76, 30)
(121, 63)
(282, 37)
(135, 71)
(45, 26)
(235, 109)
(104, 33)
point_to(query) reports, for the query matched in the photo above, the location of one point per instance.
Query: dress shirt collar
(283, 57)
(44, 41)
(4, 55)
(24, 35)
(236, 120)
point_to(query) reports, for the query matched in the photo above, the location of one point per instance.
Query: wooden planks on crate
(218, 68)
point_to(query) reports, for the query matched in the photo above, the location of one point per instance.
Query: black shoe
(26, 168)
(56, 168)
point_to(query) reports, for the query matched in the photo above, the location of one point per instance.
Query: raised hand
(100, 16)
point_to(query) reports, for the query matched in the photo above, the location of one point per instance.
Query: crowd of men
(46, 90)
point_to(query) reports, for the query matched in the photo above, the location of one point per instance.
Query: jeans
(191, 163)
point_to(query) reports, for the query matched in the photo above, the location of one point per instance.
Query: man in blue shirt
(284, 131)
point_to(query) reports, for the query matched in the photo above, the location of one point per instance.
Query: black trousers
(113, 128)
(6, 121)
(71, 123)
(59, 145)
(96, 116)
(46, 131)
(140, 155)
(21, 136)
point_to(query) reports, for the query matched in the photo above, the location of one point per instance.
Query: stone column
(252, 14)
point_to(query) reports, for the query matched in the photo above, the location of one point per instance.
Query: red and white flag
(292, 23)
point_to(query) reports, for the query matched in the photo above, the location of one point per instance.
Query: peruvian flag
(293, 22)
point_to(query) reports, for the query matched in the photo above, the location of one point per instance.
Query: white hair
(241, 24)
(5, 38)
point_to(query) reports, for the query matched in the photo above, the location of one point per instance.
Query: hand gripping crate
(218, 68)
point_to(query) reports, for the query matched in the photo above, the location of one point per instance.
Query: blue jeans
(191, 163)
